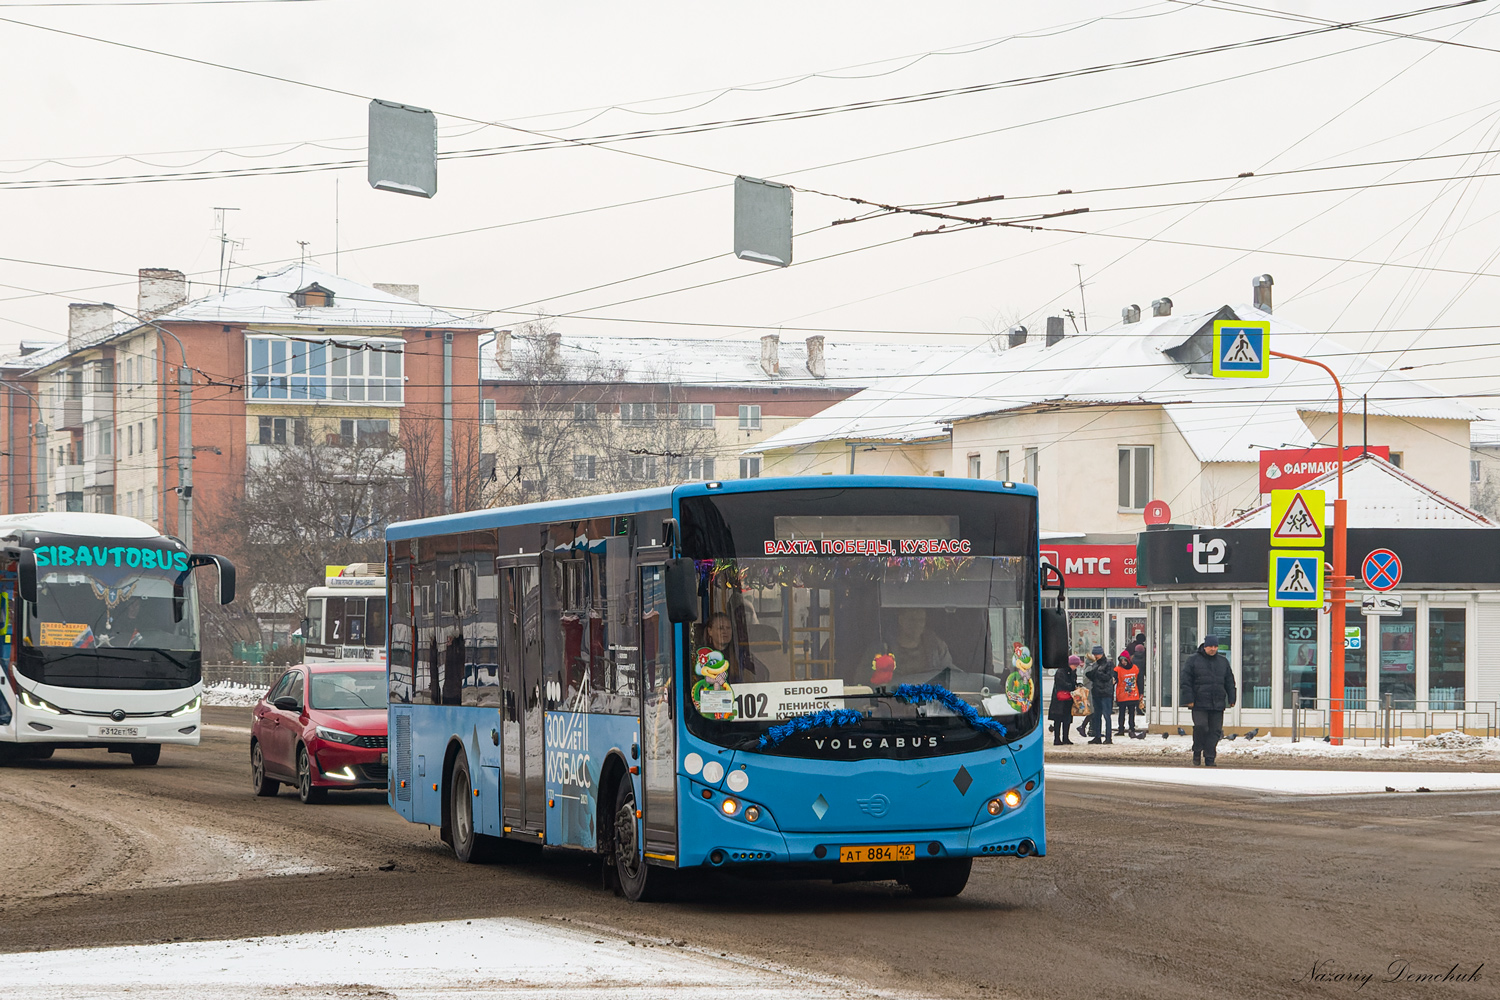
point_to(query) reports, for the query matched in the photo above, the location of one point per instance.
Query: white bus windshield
(106, 607)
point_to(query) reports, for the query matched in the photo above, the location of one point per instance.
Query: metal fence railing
(254, 675)
(1389, 722)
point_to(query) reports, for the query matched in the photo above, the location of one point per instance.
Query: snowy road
(496, 959)
(1284, 782)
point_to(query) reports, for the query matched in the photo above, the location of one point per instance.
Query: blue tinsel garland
(826, 718)
(915, 694)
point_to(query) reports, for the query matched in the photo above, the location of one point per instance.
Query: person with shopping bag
(1060, 709)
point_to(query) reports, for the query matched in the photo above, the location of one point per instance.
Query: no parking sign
(1381, 570)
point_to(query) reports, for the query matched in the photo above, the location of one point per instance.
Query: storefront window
(1255, 657)
(1187, 638)
(1299, 629)
(1164, 662)
(1356, 647)
(1220, 623)
(1445, 659)
(1084, 631)
(1398, 659)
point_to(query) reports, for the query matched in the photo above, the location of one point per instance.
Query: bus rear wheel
(145, 756)
(469, 846)
(641, 883)
(937, 879)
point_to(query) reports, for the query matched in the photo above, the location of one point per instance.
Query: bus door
(658, 716)
(522, 781)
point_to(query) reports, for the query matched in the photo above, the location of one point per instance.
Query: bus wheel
(308, 792)
(935, 879)
(469, 846)
(639, 881)
(258, 780)
(146, 755)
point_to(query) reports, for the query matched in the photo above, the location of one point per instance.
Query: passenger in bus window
(919, 653)
(720, 636)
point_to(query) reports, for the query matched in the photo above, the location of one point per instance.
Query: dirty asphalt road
(1146, 891)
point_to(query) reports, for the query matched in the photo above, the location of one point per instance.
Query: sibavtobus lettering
(113, 555)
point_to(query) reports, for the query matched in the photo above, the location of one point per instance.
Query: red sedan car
(321, 726)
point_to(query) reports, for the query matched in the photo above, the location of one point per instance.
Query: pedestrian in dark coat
(1102, 692)
(1060, 709)
(1207, 688)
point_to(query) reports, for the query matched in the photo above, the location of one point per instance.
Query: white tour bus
(99, 642)
(345, 618)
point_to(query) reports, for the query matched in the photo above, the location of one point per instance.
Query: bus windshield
(105, 606)
(906, 631)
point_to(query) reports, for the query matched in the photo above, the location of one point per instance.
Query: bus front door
(523, 786)
(658, 719)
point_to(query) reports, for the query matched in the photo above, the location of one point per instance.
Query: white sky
(1392, 99)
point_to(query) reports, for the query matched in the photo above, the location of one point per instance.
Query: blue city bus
(832, 679)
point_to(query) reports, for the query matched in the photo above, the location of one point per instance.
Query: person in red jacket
(1127, 691)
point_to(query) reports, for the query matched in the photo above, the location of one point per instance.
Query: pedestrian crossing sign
(1242, 348)
(1297, 518)
(1296, 579)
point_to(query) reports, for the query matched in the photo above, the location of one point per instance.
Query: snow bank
(1320, 782)
(494, 959)
(1452, 747)
(228, 694)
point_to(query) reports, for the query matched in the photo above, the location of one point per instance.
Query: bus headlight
(1012, 798)
(336, 735)
(730, 806)
(189, 708)
(994, 807)
(752, 813)
(38, 704)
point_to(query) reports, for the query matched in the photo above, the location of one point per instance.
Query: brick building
(294, 357)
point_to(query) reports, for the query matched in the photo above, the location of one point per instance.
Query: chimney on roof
(86, 319)
(1130, 314)
(161, 290)
(770, 354)
(404, 291)
(1261, 287)
(502, 350)
(1161, 306)
(1054, 329)
(815, 356)
(1017, 336)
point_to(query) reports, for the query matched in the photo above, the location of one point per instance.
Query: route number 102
(751, 706)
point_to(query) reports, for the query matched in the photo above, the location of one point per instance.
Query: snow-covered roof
(268, 301)
(724, 362)
(1379, 495)
(1223, 420)
(1485, 432)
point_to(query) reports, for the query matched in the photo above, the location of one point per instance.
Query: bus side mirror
(681, 584)
(226, 573)
(1054, 638)
(226, 581)
(26, 575)
(1055, 621)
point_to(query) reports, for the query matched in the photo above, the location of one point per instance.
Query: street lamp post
(1338, 588)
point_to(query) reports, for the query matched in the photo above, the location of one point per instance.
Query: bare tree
(581, 428)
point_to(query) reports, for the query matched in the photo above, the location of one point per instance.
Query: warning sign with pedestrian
(1297, 517)
(1242, 348)
(1296, 579)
